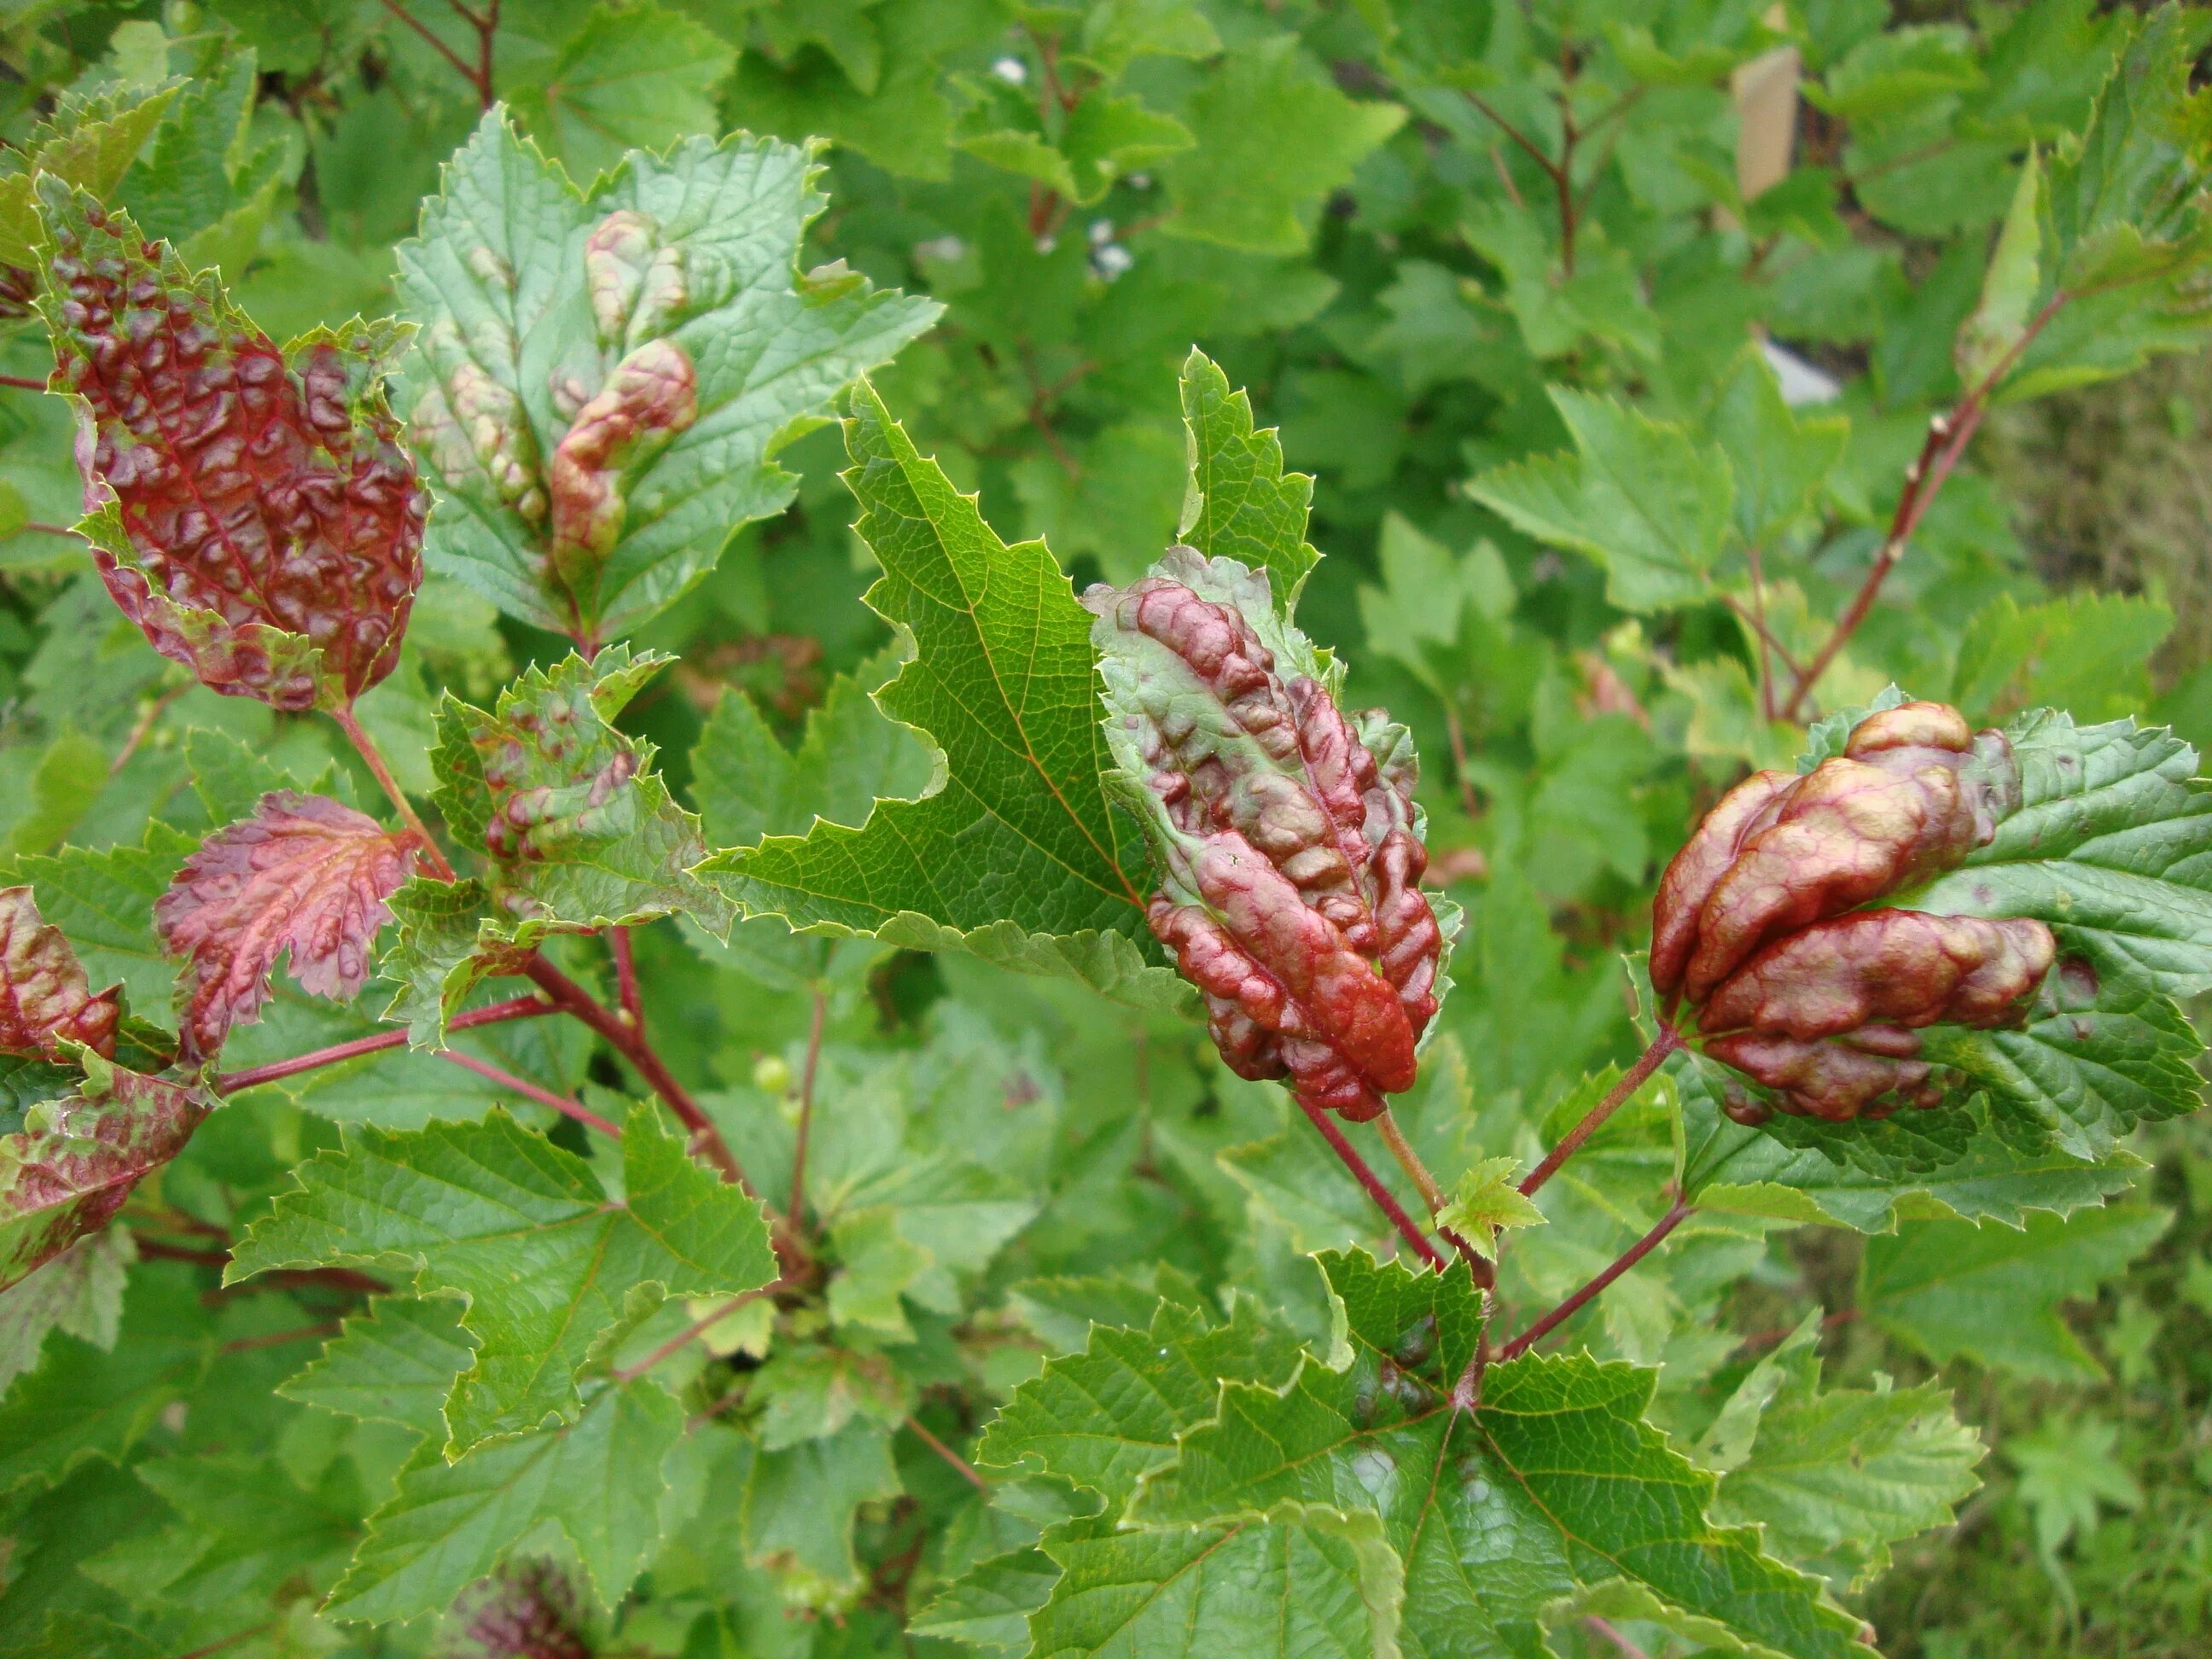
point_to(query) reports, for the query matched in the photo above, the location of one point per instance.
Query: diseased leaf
(524, 1233)
(281, 564)
(533, 297)
(599, 1479)
(580, 829)
(303, 875)
(89, 142)
(44, 999)
(1948, 1288)
(67, 1164)
(1644, 498)
(1021, 838)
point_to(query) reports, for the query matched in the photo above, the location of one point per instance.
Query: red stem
(691, 1333)
(1664, 1044)
(373, 757)
(573, 998)
(618, 945)
(968, 1471)
(443, 50)
(24, 381)
(529, 1091)
(1367, 1178)
(1948, 435)
(516, 1008)
(1575, 1303)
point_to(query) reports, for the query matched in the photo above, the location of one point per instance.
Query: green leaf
(525, 1235)
(1020, 840)
(1273, 137)
(78, 1293)
(1779, 459)
(1485, 1203)
(1866, 1175)
(1896, 70)
(1300, 1579)
(1995, 327)
(990, 1604)
(800, 1502)
(91, 142)
(635, 76)
(1948, 1288)
(1538, 1473)
(748, 785)
(396, 1363)
(2067, 1467)
(582, 831)
(103, 903)
(2107, 847)
(2088, 654)
(498, 277)
(599, 1480)
(1642, 498)
(1104, 1417)
(1239, 504)
(1836, 1476)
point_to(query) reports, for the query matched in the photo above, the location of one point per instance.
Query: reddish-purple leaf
(304, 874)
(73, 1161)
(253, 510)
(44, 999)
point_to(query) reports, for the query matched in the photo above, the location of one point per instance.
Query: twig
(1574, 1304)
(1947, 439)
(529, 1091)
(1601, 1627)
(515, 1008)
(1535, 153)
(279, 1339)
(228, 1642)
(45, 529)
(694, 1331)
(619, 946)
(1769, 647)
(373, 757)
(1372, 1183)
(572, 999)
(468, 73)
(968, 1471)
(1664, 1044)
(144, 727)
(797, 1210)
(1432, 1195)
(24, 382)
(1469, 802)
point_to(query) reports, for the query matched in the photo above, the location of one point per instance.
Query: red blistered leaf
(44, 999)
(251, 510)
(305, 874)
(74, 1160)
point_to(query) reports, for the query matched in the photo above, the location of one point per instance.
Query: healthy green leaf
(1644, 498)
(396, 1363)
(1241, 504)
(526, 1235)
(634, 77)
(1948, 1288)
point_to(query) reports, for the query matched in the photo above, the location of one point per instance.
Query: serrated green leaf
(800, 1502)
(1101, 1418)
(1239, 504)
(1486, 1202)
(2088, 654)
(1778, 458)
(1836, 1476)
(636, 76)
(525, 1235)
(90, 144)
(103, 903)
(1641, 497)
(990, 1604)
(1535, 1474)
(1021, 836)
(1273, 137)
(497, 278)
(599, 1479)
(1995, 328)
(1948, 1288)
(78, 1293)
(1300, 1579)
(396, 1363)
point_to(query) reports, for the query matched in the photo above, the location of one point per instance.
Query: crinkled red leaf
(73, 1161)
(254, 513)
(303, 874)
(44, 999)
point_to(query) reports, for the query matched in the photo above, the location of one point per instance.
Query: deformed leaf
(534, 297)
(304, 874)
(68, 1163)
(251, 509)
(45, 1000)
